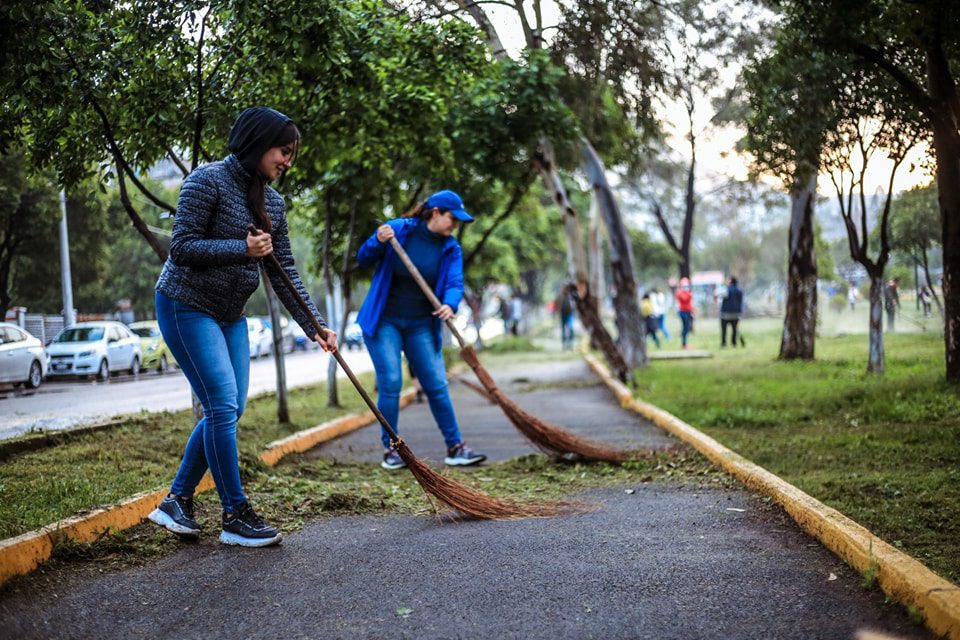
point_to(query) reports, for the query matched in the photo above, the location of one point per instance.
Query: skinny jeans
(416, 338)
(215, 358)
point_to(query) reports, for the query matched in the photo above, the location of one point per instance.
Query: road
(61, 404)
(671, 559)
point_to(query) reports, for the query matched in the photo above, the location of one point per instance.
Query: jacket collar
(237, 172)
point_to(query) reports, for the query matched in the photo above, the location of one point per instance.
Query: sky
(717, 152)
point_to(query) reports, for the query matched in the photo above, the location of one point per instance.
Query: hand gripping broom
(453, 494)
(551, 439)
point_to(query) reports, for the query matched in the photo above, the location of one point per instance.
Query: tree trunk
(273, 305)
(626, 301)
(943, 90)
(948, 194)
(800, 323)
(875, 361)
(576, 258)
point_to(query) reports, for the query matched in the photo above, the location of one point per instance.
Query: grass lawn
(884, 451)
(95, 469)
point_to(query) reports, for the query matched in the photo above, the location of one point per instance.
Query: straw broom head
(476, 504)
(549, 438)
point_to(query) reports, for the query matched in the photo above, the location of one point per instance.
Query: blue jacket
(449, 288)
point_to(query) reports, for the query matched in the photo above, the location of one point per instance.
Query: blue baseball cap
(449, 201)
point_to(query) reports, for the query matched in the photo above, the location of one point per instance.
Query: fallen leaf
(735, 509)
(832, 577)
(630, 491)
(404, 612)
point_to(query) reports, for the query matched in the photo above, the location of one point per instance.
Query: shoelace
(248, 514)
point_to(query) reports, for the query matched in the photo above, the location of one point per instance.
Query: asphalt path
(70, 402)
(653, 561)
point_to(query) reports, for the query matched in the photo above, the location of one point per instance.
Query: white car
(94, 349)
(22, 359)
(261, 338)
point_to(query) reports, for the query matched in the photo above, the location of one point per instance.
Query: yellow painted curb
(24, 553)
(900, 576)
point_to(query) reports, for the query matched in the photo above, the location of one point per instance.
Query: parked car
(300, 341)
(156, 353)
(261, 340)
(353, 335)
(286, 332)
(94, 349)
(22, 358)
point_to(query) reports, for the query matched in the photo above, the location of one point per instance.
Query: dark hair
(420, 210)
(256, 194)
(733, 281)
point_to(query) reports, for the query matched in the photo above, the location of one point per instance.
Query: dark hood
(253, 133)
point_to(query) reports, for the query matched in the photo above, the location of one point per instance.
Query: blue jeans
(686, 326)
(417, 339)
(215, 358)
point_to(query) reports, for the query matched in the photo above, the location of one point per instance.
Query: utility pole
(66, 286)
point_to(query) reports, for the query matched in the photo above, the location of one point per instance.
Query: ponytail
(419, 210)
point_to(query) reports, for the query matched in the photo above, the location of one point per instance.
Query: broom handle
(427, 291)
(272, 259)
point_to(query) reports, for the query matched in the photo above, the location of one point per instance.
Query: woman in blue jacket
(396, 316)
(212, 270)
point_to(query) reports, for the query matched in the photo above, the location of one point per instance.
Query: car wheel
(163, 366)
(36, 375)
(103, 372)
(135, 366)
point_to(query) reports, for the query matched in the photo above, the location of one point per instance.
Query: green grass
(884, 451)
(91, 470)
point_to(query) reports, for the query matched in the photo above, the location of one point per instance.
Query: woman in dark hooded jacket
(212, 270)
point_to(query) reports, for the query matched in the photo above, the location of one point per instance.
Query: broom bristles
(476, 504)
(549, 438)
(476, 387)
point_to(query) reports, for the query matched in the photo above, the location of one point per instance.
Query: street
(68, 402)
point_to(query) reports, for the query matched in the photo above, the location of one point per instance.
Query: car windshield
(146, 332)
(81, 334)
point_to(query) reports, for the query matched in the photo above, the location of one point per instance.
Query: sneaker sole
(392, 467)
(456, 462)
(159, 517)
(241, 541)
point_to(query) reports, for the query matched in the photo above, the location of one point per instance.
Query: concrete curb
(24, 553)
(900, 576)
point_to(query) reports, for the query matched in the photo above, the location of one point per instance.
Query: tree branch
(517, 195)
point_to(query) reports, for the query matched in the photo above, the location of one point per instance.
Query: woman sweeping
(396, 316)
(212, 270)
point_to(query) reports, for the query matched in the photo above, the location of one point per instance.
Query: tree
(28, 220)
(862, 130)
(915, 229)
(913, 45)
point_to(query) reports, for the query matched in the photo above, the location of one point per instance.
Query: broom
(451, 493)
(550, 439)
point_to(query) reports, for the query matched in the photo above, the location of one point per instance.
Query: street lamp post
(66, 286)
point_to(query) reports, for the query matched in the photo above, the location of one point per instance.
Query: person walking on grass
(650, 320)
(685, 309)
(397, 317)
(891, 302)
(212, 271)
(659, 300)
(730, 309)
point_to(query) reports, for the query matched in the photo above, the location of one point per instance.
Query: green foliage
(29, 219)
(915, 224)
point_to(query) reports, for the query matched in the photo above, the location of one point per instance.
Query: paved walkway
(662, 562)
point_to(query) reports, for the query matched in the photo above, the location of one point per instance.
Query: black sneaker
(463, 456)
(176, 514)
(245, 528)
(392, 460)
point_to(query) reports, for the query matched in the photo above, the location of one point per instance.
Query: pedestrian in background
(684, 298)
(565, 308)
(891, 301)
(650, 322)
(212, 271)
(397, 317)
(731, 307)
(659, 299)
